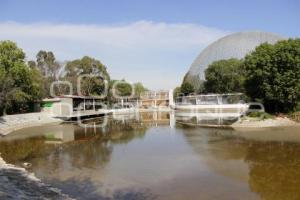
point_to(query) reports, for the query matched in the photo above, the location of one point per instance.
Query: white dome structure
(236, 45)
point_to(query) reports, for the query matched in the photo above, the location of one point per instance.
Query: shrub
(262, 115)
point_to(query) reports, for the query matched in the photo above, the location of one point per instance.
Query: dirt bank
(257, 123)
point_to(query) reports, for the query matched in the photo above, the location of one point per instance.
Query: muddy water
(150, 156)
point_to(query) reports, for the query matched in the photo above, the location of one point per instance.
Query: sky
(153, 41)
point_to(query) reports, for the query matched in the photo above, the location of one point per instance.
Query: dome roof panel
(236, 45)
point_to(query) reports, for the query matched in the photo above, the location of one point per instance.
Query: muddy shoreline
(266, 123)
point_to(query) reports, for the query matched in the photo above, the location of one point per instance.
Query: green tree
(87, 66)
(19, 84)
(47, 64)
(273, 75)
(176, 92)
(195, 81)
(139, 89)
(224, 76)
(49, 67)
(187, 88)
(32, 64)
(39, 80)
(124, 89)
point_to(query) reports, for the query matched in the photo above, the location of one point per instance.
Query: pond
(157, 156)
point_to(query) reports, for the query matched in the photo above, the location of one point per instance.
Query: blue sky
(154, 42)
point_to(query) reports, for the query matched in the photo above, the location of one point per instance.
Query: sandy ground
(256, 123)
(17, 183)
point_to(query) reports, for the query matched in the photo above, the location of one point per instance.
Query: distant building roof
(236, 45)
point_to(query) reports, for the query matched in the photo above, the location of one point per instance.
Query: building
(72, 106)
(236, 45)
(156, 99)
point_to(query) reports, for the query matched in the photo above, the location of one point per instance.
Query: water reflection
(138, 156)
(271, 168)
(206, 119)
(30, 143)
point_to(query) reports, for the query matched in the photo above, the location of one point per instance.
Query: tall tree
(224, 76)
(32, 64)
(19, 84)
(139, 89)
(47, 64)
(49, 68)
(87, 66)
(273, 75)
(124, 88)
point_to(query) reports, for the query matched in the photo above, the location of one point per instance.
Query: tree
(139, 89)
(47, 64)
(49, 67)
(94, 75)
(273, 75)
(187, 88)
(32, 64)
(39, 79)
(176, 92)
(224, 76)
(124, 88)
(19, 83)
(195, 81)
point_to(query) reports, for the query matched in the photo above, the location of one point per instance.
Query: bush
(262, 115)
(187, 88)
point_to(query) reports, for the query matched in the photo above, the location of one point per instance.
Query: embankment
(10, 123)
(259, 123)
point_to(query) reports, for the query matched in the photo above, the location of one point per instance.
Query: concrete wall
(63, 107)
(10, 123)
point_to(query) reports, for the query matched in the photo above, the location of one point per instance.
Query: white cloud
(157, 54)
